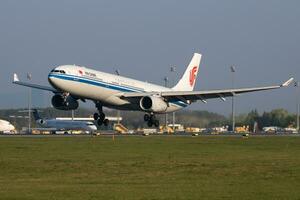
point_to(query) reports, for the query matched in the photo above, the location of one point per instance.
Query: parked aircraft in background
(63, 125)
(6, 127)
(71, 83)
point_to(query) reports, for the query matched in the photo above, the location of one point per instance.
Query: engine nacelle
(153, 104)
(61, 103)
(41, 121)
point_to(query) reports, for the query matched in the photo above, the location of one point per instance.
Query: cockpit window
(58, 71)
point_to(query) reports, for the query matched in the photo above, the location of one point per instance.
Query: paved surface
(110, 134)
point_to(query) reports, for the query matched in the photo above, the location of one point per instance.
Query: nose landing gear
(151, 120)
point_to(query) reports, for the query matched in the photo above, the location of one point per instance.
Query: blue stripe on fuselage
(94, 82)
(105, 85)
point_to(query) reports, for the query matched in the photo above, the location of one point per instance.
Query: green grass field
(154, 167)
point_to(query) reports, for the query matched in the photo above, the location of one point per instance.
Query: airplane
(6, 127)
(58, 125)
(71, 83)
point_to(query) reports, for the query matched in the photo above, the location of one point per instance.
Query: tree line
(276, 117)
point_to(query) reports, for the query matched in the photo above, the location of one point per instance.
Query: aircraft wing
(203, 95)
(41, 87)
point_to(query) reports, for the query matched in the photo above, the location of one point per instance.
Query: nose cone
(11, 127)
(51, 80)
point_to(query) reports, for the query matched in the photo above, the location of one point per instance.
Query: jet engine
(64, 103)
(41, 121)
(153, 104)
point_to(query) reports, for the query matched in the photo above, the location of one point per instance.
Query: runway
(110, 134)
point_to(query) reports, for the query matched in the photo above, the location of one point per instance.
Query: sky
(143, 39)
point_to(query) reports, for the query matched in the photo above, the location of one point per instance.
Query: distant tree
(278, 117)
(265, 120)
(251, 118)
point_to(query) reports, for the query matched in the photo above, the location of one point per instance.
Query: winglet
(16, 78)
(287, 83)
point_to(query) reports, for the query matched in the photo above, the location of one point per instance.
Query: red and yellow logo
(193, 73)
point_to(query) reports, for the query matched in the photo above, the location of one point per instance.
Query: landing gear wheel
(149, 123)
(146, 117)
(101, 116)
(156, 123)
(106, 122)
(99, 122)
(96, 116)
(152, 118)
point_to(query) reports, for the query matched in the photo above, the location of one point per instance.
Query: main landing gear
(151, 120)
(100, 117)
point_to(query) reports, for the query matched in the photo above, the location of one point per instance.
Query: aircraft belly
(173, 108)
(136, 107)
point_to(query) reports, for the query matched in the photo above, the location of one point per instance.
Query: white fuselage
(5, 126)
(106, 88)
(67, 124)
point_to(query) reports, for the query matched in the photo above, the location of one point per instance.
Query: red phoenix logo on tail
(193, 73)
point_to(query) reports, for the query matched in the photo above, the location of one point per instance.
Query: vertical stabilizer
(188, 80)
(36, 115)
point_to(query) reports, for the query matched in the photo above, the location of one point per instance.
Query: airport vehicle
(120, 128)
(6, 127)
(63, 125)
(71, 83)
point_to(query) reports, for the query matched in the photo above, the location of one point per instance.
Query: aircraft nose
(51, 79)
(94, 128)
